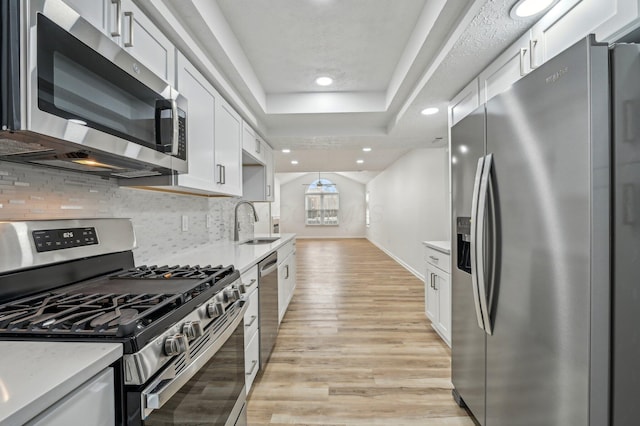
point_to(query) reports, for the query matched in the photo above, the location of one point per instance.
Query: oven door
(85, 89)
(206, 387)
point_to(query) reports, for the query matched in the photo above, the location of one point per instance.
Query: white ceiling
(389, 58)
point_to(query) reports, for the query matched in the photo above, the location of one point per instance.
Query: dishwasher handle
(268, 265)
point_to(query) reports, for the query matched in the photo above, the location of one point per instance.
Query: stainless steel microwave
(71, 97)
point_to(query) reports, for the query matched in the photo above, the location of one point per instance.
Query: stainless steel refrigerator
(545, 190)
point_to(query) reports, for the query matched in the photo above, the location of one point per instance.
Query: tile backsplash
(29, 192)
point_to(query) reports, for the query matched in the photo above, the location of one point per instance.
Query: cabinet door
(283, 287)
(508, 68)
(443, 289)
(94, 11)
(268, 155)
(143, 40)
(291, 276)
(251, 143)
(200, 127)
(431, 295)
(93, 402)
(228, 151)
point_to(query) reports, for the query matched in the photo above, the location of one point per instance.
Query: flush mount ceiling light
(528, 8)
(429, 111)
(324, 81)
(294, 162)
(366, 149)
(359, 161)
(286, 150)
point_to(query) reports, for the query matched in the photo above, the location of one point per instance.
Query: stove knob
(232, 294)
(241, 288)
(215, 309)
(176, 344)
(192, 329)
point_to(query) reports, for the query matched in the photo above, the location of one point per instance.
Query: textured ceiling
(290, 43)
(410, 54)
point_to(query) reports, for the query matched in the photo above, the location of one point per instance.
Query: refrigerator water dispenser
(463, 231)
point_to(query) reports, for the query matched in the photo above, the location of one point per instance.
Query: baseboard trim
(398, 260)
(311, 237)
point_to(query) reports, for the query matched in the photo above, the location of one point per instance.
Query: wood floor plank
(355, 347)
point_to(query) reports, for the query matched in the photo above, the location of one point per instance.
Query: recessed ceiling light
(294, 162)
(286, 150)
(324, 81)
(429, 111)
(359, 161)
(367, 149)
(528, 8)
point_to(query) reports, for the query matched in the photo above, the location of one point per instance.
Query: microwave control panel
(58, 239)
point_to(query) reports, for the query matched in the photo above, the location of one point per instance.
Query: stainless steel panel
(626, 235)
(538, 359)
(468, 340)
(53, 126)
(268, 300)
(18, 251)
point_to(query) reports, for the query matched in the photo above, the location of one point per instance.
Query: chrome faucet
(236, 224)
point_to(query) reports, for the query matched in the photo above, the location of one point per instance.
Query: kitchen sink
(263, 240)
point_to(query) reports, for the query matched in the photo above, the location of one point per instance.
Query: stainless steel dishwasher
(268, 302)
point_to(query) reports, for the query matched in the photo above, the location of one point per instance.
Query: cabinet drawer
(437, 259)
(251, 361)
(251, 320)
(249, 279)
(286, 250)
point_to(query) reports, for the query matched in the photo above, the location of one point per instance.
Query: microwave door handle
(175, 129)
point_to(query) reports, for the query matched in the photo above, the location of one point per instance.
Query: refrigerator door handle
(485, 189)
(474, 242)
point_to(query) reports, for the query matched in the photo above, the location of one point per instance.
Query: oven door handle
(167, 384)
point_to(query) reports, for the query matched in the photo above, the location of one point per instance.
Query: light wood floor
(355, 347)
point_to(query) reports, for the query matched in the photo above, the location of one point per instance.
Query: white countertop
(242, 256)
(34, 375)
(443, 246)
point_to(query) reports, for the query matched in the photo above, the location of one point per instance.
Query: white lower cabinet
(251, 326)
(286, 278)
(437, 292)
(92, 404)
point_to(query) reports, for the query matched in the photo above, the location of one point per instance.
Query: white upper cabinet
(202, 99)
(270, 169)
(558, 29)
(94, 11)
(228, 149)
(128, 26)
(252, 144)
(142, 39)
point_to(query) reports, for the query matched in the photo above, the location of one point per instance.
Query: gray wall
(350, 216)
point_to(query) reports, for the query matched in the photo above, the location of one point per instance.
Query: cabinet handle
(250, 323)
(431, 280)
(222, 174)
(523, 53)
(258, 146)
(116, 32)
(130, 16)
(533, 43)
(268, 190)
(435, 282)
(251, 283)
(286, 268)
(435, 259)
(253, 367)
(219, 167)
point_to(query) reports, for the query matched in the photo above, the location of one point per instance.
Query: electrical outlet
(208, 221)
(185, 223)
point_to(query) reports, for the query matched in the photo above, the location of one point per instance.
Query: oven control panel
(58, 239)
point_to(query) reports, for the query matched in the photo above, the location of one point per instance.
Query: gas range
(75, 280)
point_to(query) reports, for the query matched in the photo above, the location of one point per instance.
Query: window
(367, 213)
(321, 203)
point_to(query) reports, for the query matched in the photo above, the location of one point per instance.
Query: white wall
(351, 214)
(409, 204)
